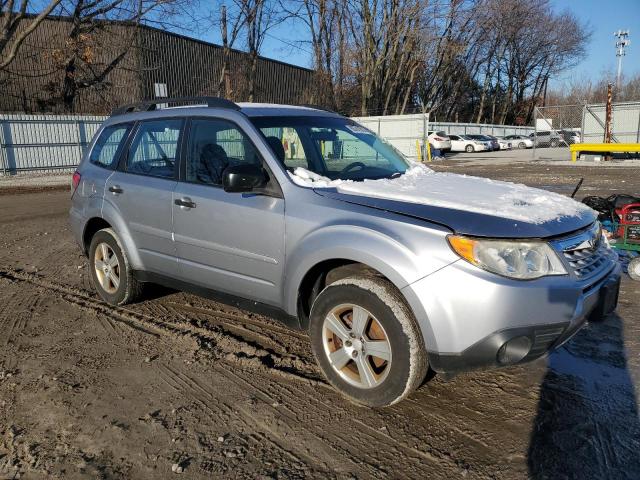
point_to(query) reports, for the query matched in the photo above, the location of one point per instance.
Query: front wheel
(367, 342)
(469, 149)
(634, 269)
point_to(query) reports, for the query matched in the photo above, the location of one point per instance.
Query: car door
(142, 191)
(230, 242)
(457, 144)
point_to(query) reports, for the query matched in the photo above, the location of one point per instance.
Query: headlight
(509, 258)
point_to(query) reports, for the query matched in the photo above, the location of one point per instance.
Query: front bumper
(468, 315)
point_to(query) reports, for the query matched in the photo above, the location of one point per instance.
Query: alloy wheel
(107, 268)
(357, 346)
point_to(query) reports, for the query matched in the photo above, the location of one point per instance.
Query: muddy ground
(177, 383)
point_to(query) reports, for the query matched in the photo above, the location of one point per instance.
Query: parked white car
(462, 143)
(519, 141)
(505, 144)
(439, 140)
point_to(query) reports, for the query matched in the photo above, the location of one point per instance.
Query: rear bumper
(474, 320)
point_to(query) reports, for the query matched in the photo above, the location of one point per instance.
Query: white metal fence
(408, 133)
(44, 142)
(54, 142)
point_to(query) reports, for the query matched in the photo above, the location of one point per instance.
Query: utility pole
(621, 43)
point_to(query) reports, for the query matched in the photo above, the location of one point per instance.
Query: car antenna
(575, 190)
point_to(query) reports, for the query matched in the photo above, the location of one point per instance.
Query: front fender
(393, 259)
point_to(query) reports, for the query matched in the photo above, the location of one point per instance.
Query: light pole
(621, 43)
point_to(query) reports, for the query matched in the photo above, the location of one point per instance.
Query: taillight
(438, 139)
(75, 181)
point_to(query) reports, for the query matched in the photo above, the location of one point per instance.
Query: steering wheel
(351, 166)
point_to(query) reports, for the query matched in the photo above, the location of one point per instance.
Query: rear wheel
(110, 271)
(522, 145)
(469, 149)
(634, 269)
(367, 342)
(554, 143)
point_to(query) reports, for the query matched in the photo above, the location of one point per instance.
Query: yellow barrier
(579, 148)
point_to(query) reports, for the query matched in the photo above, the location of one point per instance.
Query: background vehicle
(520, 141)
(490, 144)
(502, 143)
(439, 140)
(546, 139)
(463, 143)
(571, 136)
(387, 286)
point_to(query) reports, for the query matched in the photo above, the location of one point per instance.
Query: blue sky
(603, 17)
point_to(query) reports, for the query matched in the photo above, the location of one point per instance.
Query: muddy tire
(634, 269)
(110, 271)
(469, 149)
(367, 342)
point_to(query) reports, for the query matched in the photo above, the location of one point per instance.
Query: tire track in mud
(205, 319)
(223, 345)
(180, 382)
(15, 314)
(388, 450)
(226, 317)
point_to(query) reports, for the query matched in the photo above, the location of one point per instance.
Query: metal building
(150, 63)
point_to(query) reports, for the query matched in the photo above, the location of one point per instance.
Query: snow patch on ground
(461, 192)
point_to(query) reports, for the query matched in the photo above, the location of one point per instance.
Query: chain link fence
(558, 127)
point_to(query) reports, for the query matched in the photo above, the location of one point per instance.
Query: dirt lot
(181, 384)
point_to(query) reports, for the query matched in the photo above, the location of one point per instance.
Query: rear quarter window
(109, 145)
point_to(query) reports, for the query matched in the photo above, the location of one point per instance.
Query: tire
(522, 145)
(106, 245)
(554, 143)
(633, 269)
(403, 362)
(469, 149)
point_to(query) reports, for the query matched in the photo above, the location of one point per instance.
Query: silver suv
(310, 217)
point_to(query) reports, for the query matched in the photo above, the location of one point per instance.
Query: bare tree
(11, 35)
(101, 35)
(228, 39)
(261, 16)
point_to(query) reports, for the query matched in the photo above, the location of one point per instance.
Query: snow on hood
(422, 185)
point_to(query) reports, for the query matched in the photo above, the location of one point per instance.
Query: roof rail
(317, 107)
(149, 105)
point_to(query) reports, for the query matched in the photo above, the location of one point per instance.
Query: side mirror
(243, 178)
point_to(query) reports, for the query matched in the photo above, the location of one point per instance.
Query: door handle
(115, 189)
(185, 202)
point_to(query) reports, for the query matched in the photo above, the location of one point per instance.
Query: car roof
(278, 110)
(249, 109)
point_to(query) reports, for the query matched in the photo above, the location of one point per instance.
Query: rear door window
(154, 149)
(109, 145)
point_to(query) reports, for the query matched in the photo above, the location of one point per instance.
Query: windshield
(337, 148)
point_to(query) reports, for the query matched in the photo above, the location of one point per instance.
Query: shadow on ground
(587, 424)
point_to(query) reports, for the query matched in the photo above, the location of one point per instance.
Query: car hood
(468, 205)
